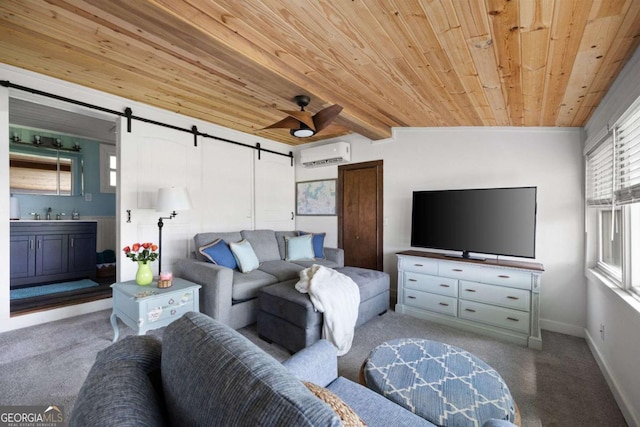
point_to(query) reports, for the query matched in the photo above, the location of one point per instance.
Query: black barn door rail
(128, 113)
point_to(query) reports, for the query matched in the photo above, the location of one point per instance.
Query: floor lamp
(170, 199)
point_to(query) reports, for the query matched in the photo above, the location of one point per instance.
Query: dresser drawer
(169, 307)
(511, 278)
(432, 302)
(497, 316)
(418, 265)
(433, 284)
(459, 270)
(518, 299)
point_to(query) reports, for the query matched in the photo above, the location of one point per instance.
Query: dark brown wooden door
(360, 214)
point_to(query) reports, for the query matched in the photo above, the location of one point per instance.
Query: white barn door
(149, 158)
(274, 185)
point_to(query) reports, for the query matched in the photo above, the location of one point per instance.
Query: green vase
(144, 276)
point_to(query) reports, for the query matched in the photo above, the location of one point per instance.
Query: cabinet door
(22, 250)
(82, 252)
(51, 254)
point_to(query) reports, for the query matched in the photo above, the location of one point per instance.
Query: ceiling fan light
(302, 132)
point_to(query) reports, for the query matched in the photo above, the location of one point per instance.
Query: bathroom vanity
(51, 251)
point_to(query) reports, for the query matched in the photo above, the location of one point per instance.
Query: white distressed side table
(144, 308)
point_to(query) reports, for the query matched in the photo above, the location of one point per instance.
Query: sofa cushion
(264, 243)
(374, 409)
(370, 282)
(299, 248)
(212, 375)
(245, 256)
(123, 385)
(282, 247)
(318, 243)
(323, 262)
(283, 270)
(246, 285)
(219, 253)
(203, 239)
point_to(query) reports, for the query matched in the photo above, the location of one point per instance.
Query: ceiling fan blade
(287, 123)
(326, 116)
(301, 116)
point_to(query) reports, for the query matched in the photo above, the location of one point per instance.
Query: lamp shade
(173, 199)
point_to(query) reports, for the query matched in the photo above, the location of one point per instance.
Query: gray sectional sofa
(204, 373)
(231, 296)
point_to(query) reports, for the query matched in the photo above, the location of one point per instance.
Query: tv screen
(497, 221)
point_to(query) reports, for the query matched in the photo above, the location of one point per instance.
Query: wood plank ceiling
(389, 63)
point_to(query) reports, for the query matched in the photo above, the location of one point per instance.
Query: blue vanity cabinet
(51, 251)
(23, 256)
(82, 253)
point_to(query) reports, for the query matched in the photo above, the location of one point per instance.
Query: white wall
(607, 305)
(201, 220)
(454, 158)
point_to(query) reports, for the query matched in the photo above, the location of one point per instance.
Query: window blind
(600, 174)
(627, 142)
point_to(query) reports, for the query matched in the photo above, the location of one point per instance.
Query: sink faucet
(36, 215)
(60, 215)
(48, 214)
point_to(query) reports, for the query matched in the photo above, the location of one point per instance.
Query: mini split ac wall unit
(325, 155)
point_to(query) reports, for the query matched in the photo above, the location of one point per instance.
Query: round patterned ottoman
(439, 382)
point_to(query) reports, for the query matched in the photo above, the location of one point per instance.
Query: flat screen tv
(496, 221)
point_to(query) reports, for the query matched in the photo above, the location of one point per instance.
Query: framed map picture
(316, 197)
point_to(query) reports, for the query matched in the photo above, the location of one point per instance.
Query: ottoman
(439, 382)
(288, 318)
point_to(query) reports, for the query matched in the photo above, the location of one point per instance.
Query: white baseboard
(627, 410)
(32, 319)
(562, 328)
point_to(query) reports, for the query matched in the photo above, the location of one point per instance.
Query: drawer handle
(444, 286)
(470, 310)
(457, 270)
(411, 297)
(444, 303)
(470, 290)
(504, 276)
(514, 298)
(412, 280)
(171, 301)
(418, 265)
(513, 319)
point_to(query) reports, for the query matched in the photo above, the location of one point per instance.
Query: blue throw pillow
(218, 252)
(318, 243)
(245, 256)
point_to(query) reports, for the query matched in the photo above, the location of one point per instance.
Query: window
(610, 242)
(633, 275)
(108, 168)
(613, 191)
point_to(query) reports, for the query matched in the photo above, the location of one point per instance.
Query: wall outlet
(87, 197)
(602, 331)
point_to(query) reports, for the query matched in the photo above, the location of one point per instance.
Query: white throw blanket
(338, 298)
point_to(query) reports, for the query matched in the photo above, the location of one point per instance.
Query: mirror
(42, 170)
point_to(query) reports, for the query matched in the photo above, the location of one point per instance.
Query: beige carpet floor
(558, 386)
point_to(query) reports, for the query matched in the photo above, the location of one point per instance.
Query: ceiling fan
(301, 123)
